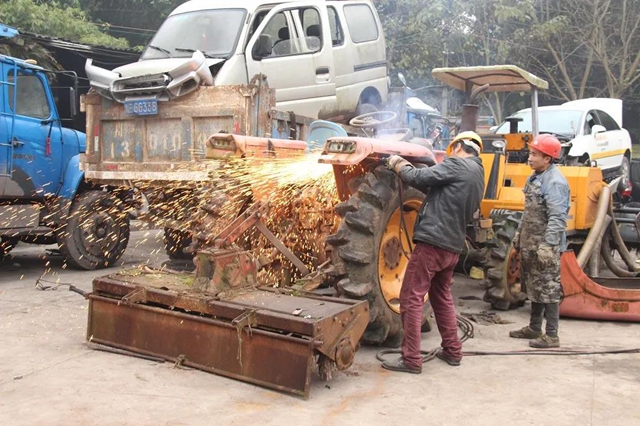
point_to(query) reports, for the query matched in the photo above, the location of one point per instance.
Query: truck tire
(502, 267)
(369, 246)
(97, 232)
(175, 244)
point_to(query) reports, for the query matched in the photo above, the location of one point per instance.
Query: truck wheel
(175, 244)
(97, 232)
(372, 249)
(502, 269)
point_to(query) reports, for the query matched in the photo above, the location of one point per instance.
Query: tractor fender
(73, 176)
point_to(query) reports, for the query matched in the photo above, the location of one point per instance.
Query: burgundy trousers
(430, 271)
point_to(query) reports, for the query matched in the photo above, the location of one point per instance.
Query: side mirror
(598, 129)
(263, 48)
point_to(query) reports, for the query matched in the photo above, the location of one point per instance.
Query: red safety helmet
(548, 145)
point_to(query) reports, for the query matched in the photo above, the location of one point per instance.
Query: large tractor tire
(96, 233)
(373, 247)
(502, 269)
(175, 244)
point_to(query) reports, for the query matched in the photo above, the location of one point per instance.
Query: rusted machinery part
(596, 232)
(362, 243)
(629, 260)
(502, 267)
(269, 337)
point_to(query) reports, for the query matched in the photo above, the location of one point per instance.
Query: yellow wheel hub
(394, 251)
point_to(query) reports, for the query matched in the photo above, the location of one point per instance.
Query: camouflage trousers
(542, 283)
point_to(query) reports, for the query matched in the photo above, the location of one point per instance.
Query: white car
(591, 132)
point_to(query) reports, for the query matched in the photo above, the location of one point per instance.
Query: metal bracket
(248, 320)
(139, 295)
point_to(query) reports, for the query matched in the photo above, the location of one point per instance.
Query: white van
(324, 58)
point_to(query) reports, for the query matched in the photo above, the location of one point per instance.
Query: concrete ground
(49, 377)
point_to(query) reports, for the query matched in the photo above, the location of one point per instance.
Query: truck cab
(43, 196)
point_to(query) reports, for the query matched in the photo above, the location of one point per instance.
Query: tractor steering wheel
(373, 119)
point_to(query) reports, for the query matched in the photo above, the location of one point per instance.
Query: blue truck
(44, 197)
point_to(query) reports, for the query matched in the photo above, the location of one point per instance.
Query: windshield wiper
(161, 49)
(206, 55)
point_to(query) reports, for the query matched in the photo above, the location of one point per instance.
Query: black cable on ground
(467, 329)
(463, 324)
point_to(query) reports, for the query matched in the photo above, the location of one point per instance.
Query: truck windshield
(213, 32)
(560, 122)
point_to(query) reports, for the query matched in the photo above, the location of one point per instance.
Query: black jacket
(455, 189)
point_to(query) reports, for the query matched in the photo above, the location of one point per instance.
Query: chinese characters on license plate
(146, 106)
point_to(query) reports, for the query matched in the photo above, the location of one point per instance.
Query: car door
(300, 64)
(36, 140)
(613, 140)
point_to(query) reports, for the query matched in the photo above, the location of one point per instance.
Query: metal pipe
(534, 111)
(619, 242)
(627, 210)
(605, 251)
(594, 260)
(596, 232)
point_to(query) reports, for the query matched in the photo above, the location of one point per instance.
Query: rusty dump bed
(262, 336)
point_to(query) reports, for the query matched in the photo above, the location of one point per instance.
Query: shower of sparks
(301, 194)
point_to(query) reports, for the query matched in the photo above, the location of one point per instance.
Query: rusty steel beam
(268, 359)
(270, 337)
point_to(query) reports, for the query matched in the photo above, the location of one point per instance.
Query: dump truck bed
(170, 144)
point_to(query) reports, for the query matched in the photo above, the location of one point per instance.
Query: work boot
(446, 358)
(545, 342)
(399, 365)
(525, 333)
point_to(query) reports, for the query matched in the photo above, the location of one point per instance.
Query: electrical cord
(468, 332)
(463, 324)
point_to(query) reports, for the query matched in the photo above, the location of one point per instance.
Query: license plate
(146, 106)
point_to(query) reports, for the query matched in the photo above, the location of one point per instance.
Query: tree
(54, 20)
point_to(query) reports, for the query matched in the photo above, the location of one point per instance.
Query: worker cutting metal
(454, 190)
(541, 238)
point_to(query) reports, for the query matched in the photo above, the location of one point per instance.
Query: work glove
(396, 163)
(516, 241)
(546, 256)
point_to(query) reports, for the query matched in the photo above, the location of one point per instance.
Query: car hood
(158, 66)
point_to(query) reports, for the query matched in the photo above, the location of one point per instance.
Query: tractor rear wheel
(373, 244)
(502, 269)
(96, 233)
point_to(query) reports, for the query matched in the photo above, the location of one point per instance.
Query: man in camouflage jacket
(540, 239)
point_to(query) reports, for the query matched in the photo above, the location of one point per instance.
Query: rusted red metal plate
(608, 299)
(161, 315)
(268, 359)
